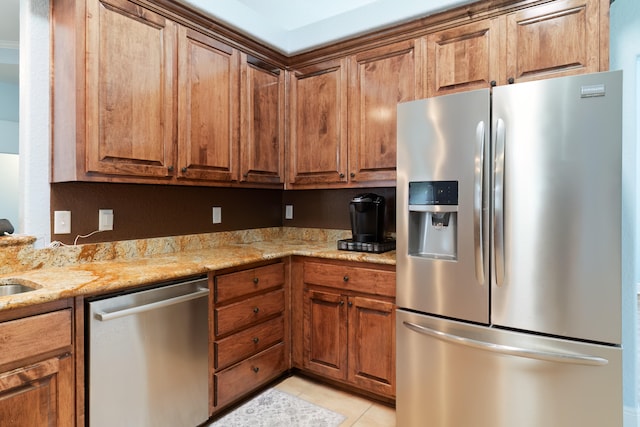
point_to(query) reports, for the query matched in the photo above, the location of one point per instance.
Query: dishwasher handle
(104, 316)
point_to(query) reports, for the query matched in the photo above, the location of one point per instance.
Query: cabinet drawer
(234, 285)
(236, 316)
(238, 346)
(360, 279)
(232, 383)
(35, 335)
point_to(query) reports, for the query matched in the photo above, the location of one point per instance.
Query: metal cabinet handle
(255, 369)
(184, 169)
(256, 310)
(341, 175)
(256, 340)
(104, 316)
(170, 168)
(352, 174)
(256, 280)
(511, 80)
(346, 278)
(350, 304)
(341, 303)
(579, 359)
(493, 83)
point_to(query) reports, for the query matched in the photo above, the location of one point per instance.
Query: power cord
(57, 244)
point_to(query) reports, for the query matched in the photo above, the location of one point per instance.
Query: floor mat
(275, 408)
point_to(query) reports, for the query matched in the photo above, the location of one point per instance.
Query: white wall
(625, 54)
(35, 124)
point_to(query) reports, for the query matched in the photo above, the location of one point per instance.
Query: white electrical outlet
(61, 222)
(288, 212)
(105, 219)
(217, 215)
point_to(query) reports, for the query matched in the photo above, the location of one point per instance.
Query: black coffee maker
(367, 217)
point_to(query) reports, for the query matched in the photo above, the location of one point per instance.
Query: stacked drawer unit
(249, 344)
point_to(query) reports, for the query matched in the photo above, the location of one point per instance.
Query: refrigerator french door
(508, 256)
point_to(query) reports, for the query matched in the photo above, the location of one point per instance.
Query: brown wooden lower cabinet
(37, 371)
(249, 338)
(344, 323)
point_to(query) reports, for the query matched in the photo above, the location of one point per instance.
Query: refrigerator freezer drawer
(456, 374)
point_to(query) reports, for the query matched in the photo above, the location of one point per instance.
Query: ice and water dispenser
(433, 219)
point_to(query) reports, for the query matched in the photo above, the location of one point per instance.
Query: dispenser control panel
(433, 193)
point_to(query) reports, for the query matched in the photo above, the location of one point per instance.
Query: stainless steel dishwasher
(147, 359)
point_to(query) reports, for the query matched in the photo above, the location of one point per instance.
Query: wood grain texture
(231, 384)
(372, 343)
(371, 280)
(325, 334)
(236, 347)
(318, 124)
(463, 58)
(379, 80)
(252, 310)
(209, 108)
(130, 90)
(231, 286)
(553, 40)
(262, 130)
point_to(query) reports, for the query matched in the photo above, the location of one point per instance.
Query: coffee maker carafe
(367, 217)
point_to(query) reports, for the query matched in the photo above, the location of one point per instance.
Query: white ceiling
(295, 26)
(288, 26)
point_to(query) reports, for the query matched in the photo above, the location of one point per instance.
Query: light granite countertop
(68, 271)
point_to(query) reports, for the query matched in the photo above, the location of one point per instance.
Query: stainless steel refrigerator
(508, 256)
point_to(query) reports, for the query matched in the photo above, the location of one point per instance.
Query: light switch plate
(217, 215)
(61, 222)
(105, 219)
(288, 212)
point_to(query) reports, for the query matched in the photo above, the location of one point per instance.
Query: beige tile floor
(360, 412)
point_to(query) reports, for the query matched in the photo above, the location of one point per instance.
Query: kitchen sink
(13, 288)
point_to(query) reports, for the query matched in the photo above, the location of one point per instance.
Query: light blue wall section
(625, 55)
(9, 103)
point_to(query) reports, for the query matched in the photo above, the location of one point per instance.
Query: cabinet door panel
(372, 344)
(463, 58)
(262, 123)
(325, 334)
(553, 40)
(209, 108)
(319, 125)
(380, 79)
(130, 80)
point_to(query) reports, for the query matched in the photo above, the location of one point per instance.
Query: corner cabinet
(343, 117)
(345, 330)
(249, 331)
(37, 370)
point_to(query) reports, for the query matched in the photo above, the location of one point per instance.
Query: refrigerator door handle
(572, 358)
(477, 202)
(498, 203)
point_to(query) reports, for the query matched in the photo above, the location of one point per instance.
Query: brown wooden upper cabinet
(463, 58)
(556, 39)
(379, 79)
(550, 40)
(130, 76)
(208, 109)
(262, 122)
(318, 124)
(343, 117)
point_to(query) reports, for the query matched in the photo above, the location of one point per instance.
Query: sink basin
(13, 288)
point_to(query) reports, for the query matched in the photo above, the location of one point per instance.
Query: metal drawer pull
(256, 340)
(256, 280)
(104, 316)
(579, 359)
(255, 369)
(345, 278)
(256, 310)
